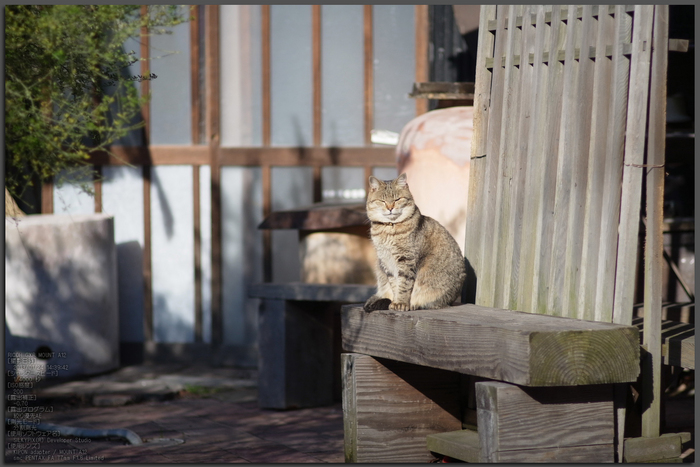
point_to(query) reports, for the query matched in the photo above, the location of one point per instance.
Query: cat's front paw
(399, 306)
(376, 303)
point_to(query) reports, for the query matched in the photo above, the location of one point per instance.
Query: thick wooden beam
(545, 424)
(521, 348)
(390, 407)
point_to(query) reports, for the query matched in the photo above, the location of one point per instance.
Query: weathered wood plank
(486, 273)
(511, 418)
(634, 159)
(550, 134)
(613, 156)
(522, 348)
(578, 183)
(600, 453)
(533, 173)
(349, 293)
(602, 83)
(461, 444)
(649, 449)
(678, 342)
(390, 407)
(511, 300)
(653, 251)
(482, 92)
(569, 123)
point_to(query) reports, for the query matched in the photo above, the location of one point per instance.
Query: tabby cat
(419, 264)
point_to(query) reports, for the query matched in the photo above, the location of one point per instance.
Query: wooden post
(655, 171)
(296, 354)
(390, 407)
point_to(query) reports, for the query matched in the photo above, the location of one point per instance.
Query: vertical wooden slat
(482, 94)
(422, 46)
(634, 158)
(147, 268)
(47, 197)
(267, 234)
(316, 63)
(194, 73)
(145, 84)
(369, 73)
(496, 271)
(266, 101)
(213, 115)
(197, 255)
(520, 146)
(97, 186)
(651, 393)
(146, 176)
(614, 151)
(534, 169)
(596, 169)
(565, 156)
(520, 149)
(317, 194)
(486, 278)
(547, 166)
(583, 107)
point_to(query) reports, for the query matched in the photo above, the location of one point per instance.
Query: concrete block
(61, 296)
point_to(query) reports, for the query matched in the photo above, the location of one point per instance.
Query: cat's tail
(375, 302)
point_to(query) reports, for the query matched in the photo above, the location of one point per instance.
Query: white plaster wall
(241, 203)
(205, 245)
(240, 75)
(70, 198)
(172, 247)
(122, 197)
(292, 187)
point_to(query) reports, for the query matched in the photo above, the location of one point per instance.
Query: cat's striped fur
(419, 264)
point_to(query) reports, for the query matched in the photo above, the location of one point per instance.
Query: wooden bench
(521, 411)
(299, 342)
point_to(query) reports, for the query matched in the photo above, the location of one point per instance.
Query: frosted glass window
(343, 184)
(241, 246)
(134, 137)
(394, 66)
(342, 75)
(172, 247)
(385, 173)
(171, 101)
(292, 187)
(122, 197)
(241, 75)
(70, 197)
(291, 80)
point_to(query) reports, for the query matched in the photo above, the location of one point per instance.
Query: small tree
(67, 92)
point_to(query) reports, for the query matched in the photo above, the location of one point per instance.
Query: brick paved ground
(197, 430)
(184, 415)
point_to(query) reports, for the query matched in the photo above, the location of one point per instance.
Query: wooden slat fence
(558, 157)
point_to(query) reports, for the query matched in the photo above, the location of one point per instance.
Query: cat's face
(390, 201)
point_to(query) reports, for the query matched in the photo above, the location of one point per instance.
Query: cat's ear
(401, 181)
(374, 183)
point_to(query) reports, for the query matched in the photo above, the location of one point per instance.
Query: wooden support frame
(422, 48)
(376, 390)
(213, 115)
(368, 73)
